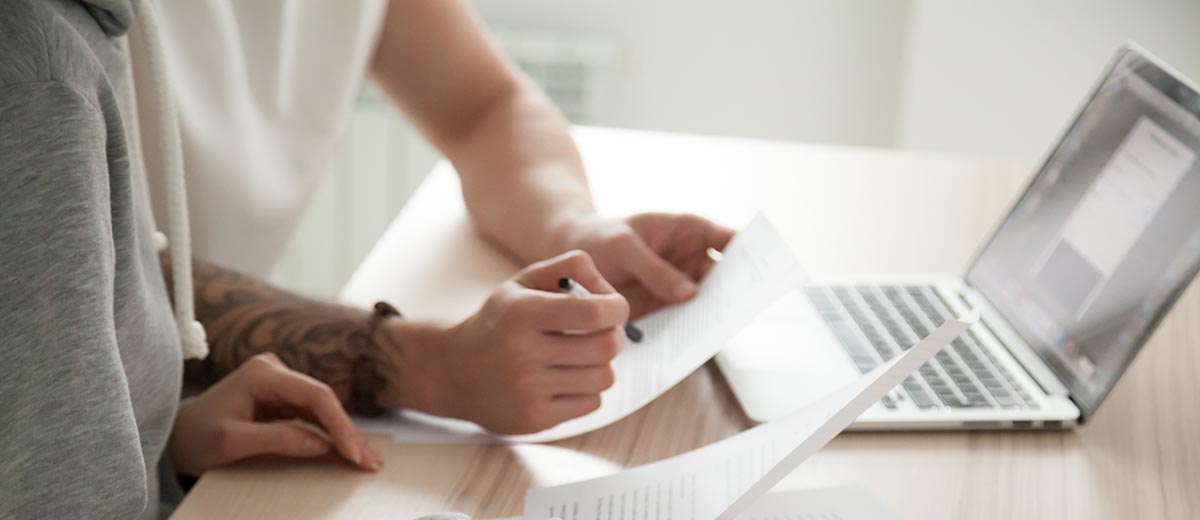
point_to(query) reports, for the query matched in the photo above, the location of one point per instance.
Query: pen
(572, 287)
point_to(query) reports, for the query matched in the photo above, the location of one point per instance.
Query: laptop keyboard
(875, 323)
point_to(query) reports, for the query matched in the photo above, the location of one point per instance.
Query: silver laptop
(1070, 285)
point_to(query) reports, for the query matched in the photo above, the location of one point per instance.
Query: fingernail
(356, 455)
(684, 289)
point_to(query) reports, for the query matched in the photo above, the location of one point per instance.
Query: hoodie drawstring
(168, 146)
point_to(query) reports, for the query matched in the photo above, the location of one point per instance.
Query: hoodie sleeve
(69, 444)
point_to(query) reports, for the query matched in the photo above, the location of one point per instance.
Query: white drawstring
(191, 332)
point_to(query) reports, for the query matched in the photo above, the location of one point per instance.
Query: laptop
(1070, 285)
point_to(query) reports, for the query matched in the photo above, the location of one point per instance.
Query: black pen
(572, 287)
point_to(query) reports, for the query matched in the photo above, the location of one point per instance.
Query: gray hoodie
(89, 352)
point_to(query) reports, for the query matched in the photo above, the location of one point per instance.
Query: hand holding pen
(533, 356)
(572, 287)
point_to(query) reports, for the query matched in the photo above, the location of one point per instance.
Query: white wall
(378, 164)
(996, 79)
(809, 70)
(1005, 78)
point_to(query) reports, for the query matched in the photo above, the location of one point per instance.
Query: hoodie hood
(114, 16)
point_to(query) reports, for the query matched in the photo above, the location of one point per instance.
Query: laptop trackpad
(785, 359)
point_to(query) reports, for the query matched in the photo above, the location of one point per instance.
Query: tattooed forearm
(244, 316)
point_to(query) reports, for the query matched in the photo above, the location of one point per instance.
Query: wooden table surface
(844, 210)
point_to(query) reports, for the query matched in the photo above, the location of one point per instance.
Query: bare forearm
(244, 316)
(522, 177)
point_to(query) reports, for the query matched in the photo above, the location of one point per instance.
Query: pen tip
(633, 333)
(564, 283)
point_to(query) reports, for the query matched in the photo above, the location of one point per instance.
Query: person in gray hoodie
(96, 305)
(90, 357)
(90, 350)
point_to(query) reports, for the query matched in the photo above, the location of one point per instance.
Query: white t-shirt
(263, 88)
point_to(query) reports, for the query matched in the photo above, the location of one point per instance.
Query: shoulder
(40, 41)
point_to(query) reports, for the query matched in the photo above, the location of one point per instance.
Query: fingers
(560, 311)
(586, 350)
(714, 235)
(719, 237)
(243, 439)
(662, 279)
(580, 381)
(281, 385)
(567, 407)
(577, 265)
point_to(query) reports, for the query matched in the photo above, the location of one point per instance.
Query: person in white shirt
(263, 88)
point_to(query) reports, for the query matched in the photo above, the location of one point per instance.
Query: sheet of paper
(724, 479)
(757, 268)
(827, 503)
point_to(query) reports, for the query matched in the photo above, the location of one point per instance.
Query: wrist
(415, 353)
(566, 232)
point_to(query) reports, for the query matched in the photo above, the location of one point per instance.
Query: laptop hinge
(1025, 355)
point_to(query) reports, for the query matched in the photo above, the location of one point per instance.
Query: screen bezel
(1185, 94)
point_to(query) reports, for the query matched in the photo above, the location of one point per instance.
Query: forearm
(244, 316)
(522, 177)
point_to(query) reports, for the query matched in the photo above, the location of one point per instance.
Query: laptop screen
(1108, 233)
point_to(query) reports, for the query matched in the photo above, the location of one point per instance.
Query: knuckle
(519, 357)
(623, 309)
(531, 417)
(611, 343)
(576, 255)
(515, 307)
(222, 436)
(591, 314)
(528, 386)
(578, 260)
(499, 306)
(262, 361)
(326, 391)
(622, 239)
(606, 378)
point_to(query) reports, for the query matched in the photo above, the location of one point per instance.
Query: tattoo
(244, 316)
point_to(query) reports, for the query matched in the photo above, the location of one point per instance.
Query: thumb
(661, 278)
(248, 439)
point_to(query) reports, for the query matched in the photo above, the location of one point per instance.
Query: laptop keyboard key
(875, 323)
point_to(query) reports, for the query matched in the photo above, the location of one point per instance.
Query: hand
(511, 368)
(653, 259)
(252, 411)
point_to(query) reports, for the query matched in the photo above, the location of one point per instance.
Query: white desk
(843, 210)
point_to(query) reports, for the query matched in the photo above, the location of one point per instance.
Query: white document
(1130, 190)
(757, 268)
(828, 503)
(723, 480)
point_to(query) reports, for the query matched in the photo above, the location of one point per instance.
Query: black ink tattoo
(244, 316)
